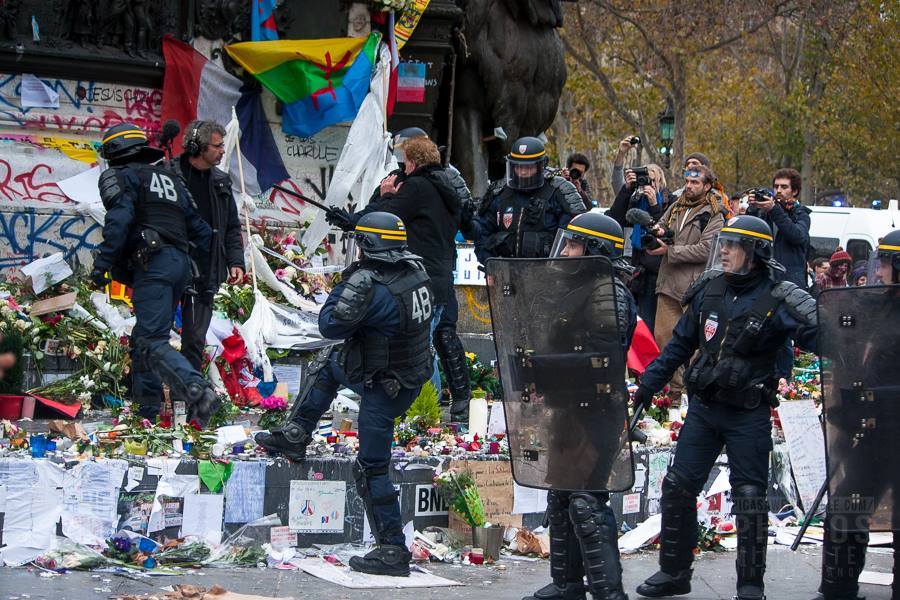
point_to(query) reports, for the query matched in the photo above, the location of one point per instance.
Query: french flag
(196, 88)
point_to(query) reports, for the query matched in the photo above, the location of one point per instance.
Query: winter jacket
(227, 245)
(429, 206)
(791, 230)
(618, 210)
(686, 258)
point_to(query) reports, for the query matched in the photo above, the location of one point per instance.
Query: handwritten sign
(806, 446)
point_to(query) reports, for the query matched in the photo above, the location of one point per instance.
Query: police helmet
(589, 234)
(743, 240)
(125, 143)
(381, 235)
(887, 263)
(525, 164)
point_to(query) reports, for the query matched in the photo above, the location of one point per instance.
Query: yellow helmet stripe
(128, 133)
(761, 236)
(394, 237)
(886, 247)
(619, 245)
(605, 236)
(541, 153)
(387, 231)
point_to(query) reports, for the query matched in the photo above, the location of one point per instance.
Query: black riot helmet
(381, 236)
(741, 242)
(589, 234)
(401, 136)
(886, 262)
(525, 164)
(126, 142)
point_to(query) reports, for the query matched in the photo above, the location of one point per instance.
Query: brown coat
(686, 258)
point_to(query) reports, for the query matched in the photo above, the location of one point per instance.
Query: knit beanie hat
(699, 156)
(840, 255)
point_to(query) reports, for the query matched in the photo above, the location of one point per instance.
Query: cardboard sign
(495, 484)
(54, 304)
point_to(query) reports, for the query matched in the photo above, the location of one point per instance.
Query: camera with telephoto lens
(634, 140)
(649, 239)
(574, 174)
(757, 195)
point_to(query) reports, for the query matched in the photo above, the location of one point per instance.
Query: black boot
(662, 584)
(843, 559)
(289, 440)
(566, 566)
(384, 560)
(452, 355)
(552, 591)
(751, 510)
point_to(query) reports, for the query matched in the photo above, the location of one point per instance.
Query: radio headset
(192, 145)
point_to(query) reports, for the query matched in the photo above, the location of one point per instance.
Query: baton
(328, 209)
(635, 434)
(809, 515)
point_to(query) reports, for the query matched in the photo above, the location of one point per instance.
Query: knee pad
(583, 511)
(749, 499)
(557, 507)
(676, 489)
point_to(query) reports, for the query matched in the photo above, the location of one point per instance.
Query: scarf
(683, 206)
(637, 231)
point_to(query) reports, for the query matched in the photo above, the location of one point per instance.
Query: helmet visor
(525, 176)
(880, 269)
(567, 244)
(731, 254)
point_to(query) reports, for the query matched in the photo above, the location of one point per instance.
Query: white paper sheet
(172, 486)
(317, 506)
(46, 271)
(84, 191)
(290, 375)
(231, 434)
(641, 535)
(528, 500)
(497, 421)
(33, 508)
(91, 493)
(245, 491)
(806, 446)
(343, 576)
(203, 516)
(37, 94)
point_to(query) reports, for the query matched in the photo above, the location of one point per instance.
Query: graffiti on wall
(28, 234)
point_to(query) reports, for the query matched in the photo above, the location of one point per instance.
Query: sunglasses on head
(688, 173)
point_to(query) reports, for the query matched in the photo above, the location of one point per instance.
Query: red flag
(643, 348)
(395, 63)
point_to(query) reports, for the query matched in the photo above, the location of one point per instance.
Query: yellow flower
(470, 355)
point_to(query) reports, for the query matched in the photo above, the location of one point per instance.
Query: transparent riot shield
(859, 343)
(562, 368)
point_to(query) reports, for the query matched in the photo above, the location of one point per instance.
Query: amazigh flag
(320, 82)
(262, 21)
(197, 88)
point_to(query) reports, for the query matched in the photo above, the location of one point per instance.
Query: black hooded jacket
(429, 207)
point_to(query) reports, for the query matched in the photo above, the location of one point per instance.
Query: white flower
(107, 366)
(290, 273)
(84, 397)
(21, 325)
(5, 310)
(290, 255)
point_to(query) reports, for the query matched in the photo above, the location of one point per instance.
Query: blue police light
(877, 205)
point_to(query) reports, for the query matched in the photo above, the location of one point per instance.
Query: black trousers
(196, 313)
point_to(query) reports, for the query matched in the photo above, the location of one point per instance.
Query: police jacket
(429, 206)
(226, 249)
(384, 312)
(138, 196)
(739, 330)
(523, 224)
(791, 228)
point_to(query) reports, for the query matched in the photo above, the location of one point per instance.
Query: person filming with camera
(788, 219)
(644, 190)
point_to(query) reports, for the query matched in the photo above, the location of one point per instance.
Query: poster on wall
(317, 506)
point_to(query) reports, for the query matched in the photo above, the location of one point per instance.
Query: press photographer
(577, 166)
(644, 190)
(789, 220)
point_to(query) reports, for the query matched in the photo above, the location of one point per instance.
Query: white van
(856, 230)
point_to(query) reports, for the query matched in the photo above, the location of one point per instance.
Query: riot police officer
(738, 318)
(583, 536)
(519, 219)
(859, 354)
(382, 309)
(150, 221)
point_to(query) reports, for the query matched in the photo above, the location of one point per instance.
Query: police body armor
(159, 218)
(733, 367)
(563, 373)
(405, 359)
(857, 342)
(522, 231)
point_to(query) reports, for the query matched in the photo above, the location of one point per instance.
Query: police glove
(99, 278)
(643, 397)
(340, 218)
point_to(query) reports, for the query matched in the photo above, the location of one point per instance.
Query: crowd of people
(722, 283)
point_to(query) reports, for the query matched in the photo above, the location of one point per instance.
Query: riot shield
(562, 368)
(859, 345)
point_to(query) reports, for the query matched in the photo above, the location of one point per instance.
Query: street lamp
(666, 122)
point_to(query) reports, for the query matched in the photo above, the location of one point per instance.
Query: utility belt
(352, 361)
(534, 244)
(725, 382)
(152, 243)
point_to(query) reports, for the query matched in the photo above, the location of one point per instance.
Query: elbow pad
(354, 298)
(798, 302)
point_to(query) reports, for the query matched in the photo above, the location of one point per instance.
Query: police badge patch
(506, 218)
(711, 326)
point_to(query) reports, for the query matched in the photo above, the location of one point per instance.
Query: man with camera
(684, 233)
(577, 166)
(204, 146)
(643, 199)
(788, 219)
